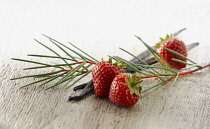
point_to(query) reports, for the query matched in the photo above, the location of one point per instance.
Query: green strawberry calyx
(115, 63)
(134, 84)
(164, 39)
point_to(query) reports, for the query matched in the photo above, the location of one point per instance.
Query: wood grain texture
(101, 28)
(183, 105)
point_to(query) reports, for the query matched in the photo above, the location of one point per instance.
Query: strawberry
(175, 45)
(125, 90)
(103, 73)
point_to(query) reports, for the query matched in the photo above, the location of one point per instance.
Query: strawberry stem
(64, 70)
(84, 62)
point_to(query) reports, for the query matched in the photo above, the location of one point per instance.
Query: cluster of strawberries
(124, 89)
(110, 79)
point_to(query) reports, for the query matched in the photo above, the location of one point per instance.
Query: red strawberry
(175, 45)
(125, 90)
(103, 73)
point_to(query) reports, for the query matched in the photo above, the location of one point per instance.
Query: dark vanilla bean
(79, 87)
(89, 88)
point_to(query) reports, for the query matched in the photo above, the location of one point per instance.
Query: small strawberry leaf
(158, 45)
(122, 65)
(162, 39)
(116, 63)
(110, 60)
(137, 93)
(132, 91)
(167, 37)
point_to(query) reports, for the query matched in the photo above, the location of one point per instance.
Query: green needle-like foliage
(162, 72)
(66, 76)
(78, 65)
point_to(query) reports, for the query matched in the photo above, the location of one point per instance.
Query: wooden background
(100, 27)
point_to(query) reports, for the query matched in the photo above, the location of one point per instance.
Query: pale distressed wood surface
(101, 28)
